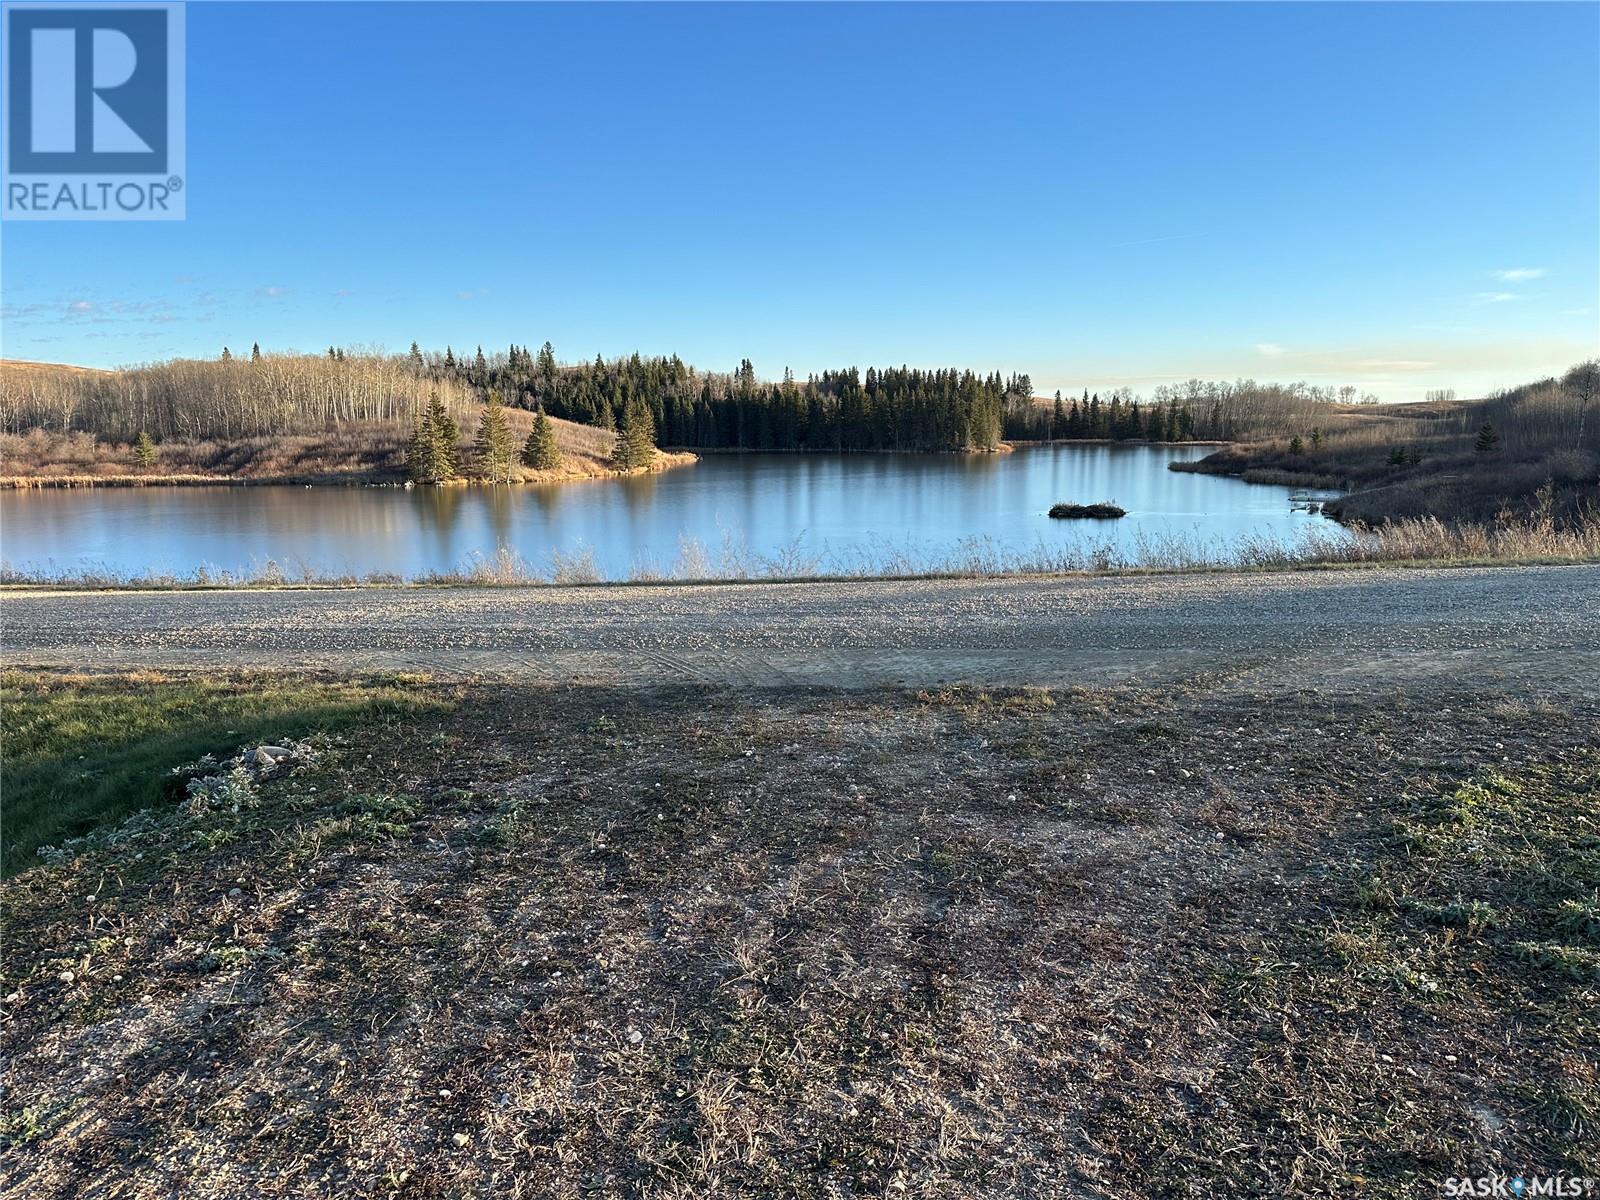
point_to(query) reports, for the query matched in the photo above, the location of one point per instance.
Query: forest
(265, 395)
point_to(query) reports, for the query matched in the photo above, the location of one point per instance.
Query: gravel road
(1331, 630)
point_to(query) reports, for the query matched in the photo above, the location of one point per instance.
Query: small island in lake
(1103, 511)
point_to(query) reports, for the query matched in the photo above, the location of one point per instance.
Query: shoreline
(672, 456)
(25, 586)
(668, 460)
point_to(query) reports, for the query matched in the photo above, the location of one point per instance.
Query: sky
(1398, 197)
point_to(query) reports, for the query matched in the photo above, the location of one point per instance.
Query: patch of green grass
(84, 751)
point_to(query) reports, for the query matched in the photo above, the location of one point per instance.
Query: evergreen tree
(227, 355)
(1488, 439)
(494, 446)
(432, 454)
(539, 451)
(420, 459)
(1297, 445)
(1058, 419)
(255, 352)
(1156, 427)
(415, 357)
(144, 450)
(635, 445)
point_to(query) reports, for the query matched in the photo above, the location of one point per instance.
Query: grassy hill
(1540, 458)
(293, 419)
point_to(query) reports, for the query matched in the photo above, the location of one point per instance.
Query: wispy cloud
(1171, 237)
(473, 294)
(272, 291)
(1493, 297)
(1394, 364)
(1271, 349)
(80, 306)
(1517, 274)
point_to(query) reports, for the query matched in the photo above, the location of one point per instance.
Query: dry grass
(1539, 468)
(963, 944)
(1420, 542)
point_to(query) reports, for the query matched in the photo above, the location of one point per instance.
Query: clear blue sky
(1394, 196)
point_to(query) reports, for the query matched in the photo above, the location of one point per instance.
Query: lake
(788, 512)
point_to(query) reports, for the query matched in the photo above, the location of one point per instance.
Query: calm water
(845, 511)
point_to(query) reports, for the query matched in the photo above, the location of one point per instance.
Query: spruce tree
(227, 355)
(432, 454)
(419, 450)
(445, 436)
(144, 450)
(539, 451)
(1488, 439)
(635, 444)
(1156, 426)
(494, 445)
(255, 352)
(1058, 419)
(415, 357)
(1297, 445)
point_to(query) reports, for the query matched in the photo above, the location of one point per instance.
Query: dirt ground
(570, 941)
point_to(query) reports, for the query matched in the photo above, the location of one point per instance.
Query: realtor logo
(94, 107)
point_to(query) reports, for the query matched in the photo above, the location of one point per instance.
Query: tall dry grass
(1425, 541)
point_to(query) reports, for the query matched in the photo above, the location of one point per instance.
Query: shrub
(1102, 511)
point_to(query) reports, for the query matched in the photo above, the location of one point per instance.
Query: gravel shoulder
(1332, 630)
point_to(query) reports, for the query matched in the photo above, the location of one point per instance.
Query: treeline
(884, 409)
(889, 409)
(893, 409)
(1121, 417)
(230, 398)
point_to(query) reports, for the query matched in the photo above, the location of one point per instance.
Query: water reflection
(838, 508)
